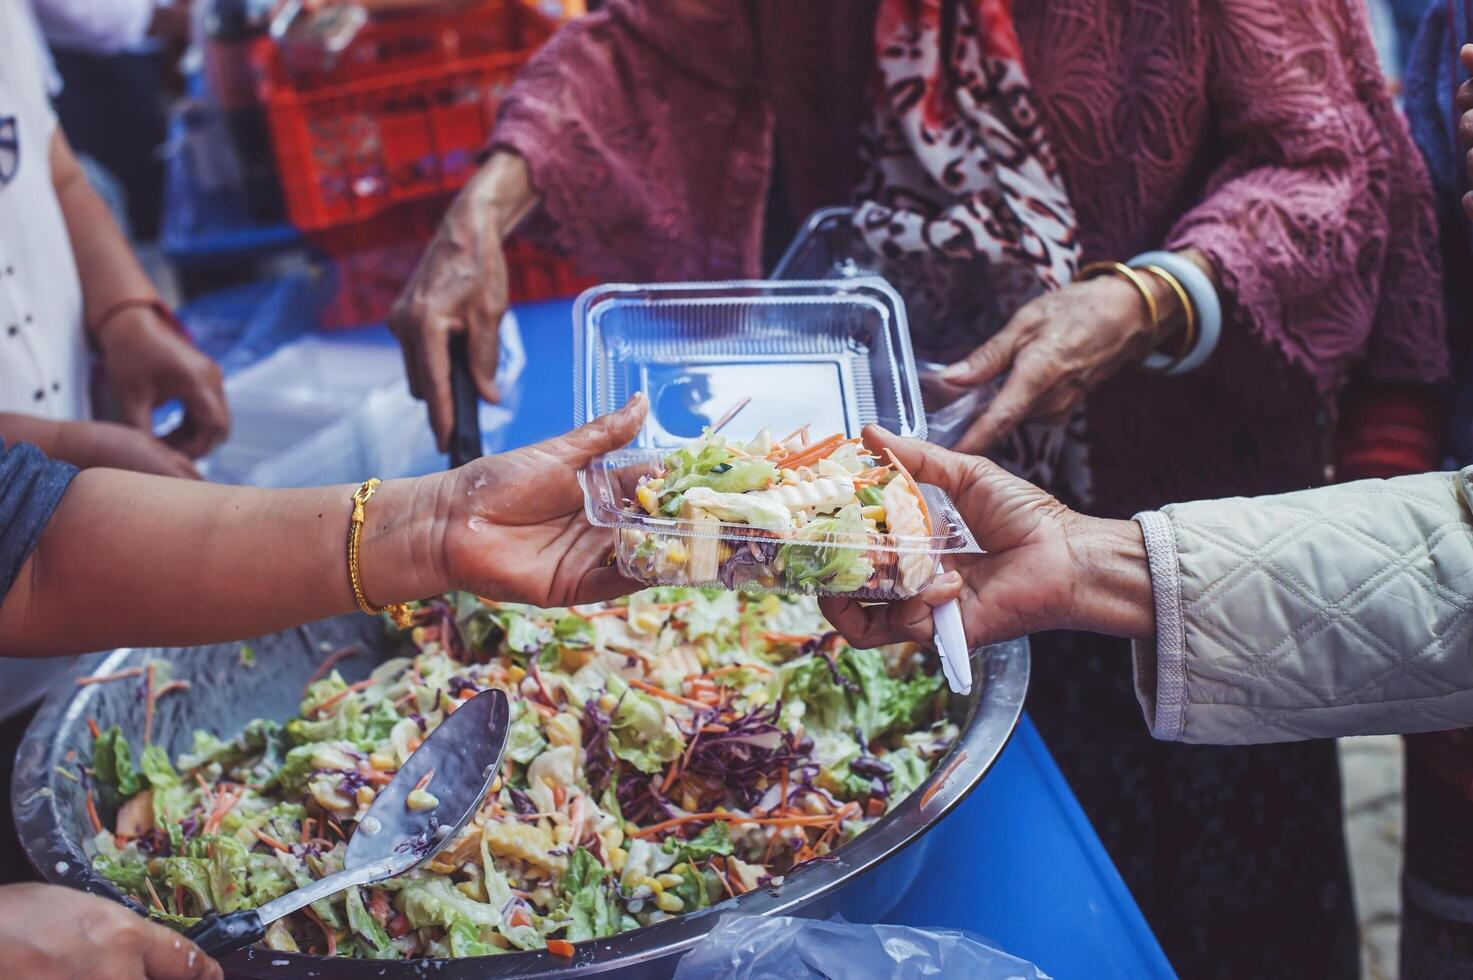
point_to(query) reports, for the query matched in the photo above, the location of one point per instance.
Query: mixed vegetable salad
(816, 517)
(666, 752)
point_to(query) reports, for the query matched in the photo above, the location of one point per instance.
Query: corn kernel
(669, 903)
(383, 761)
(679, 869)
(496, 784)
(676, 553)
(420, 800)
(365, 795)
(874, 513)
(617, 857)
(562, 729)
(647, 499)
(653, 884)
(757, 698)
(669, 880)
(474, 889)
(607, 702)
(515, 673)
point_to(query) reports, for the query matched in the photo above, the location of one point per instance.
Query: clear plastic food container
(832, 355)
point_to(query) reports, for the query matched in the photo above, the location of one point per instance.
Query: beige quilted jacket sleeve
(1336, 611)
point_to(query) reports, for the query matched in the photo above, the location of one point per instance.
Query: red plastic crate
(400, 115)
(374, 259)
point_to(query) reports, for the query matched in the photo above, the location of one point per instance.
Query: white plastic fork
(951, 647)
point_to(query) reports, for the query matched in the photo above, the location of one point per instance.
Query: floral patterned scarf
(961, 191)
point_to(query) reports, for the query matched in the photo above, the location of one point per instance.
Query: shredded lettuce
(815, 560)
(715, 839)
(710, 464)
(112, 762)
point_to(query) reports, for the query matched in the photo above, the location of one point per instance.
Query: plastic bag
(752, 947)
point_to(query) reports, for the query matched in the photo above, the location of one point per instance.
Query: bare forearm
(1113, 579)
(106, 266)
(498, 197)
(44, 434)
(139, 560)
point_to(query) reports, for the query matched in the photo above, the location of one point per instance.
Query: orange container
(397, 116)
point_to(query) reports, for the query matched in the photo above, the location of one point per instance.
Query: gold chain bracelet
(400, 612)
(1134, 278)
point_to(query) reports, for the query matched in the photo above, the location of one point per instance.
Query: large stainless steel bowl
(51, 814)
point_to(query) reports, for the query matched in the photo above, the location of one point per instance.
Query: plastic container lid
(833, 354)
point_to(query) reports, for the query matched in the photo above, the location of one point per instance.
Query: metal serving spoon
(462, 755)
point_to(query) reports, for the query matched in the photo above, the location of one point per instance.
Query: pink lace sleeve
(647, 136)
(1319, 216)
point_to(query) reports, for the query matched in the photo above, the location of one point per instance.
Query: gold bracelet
(1130, 275)
(400, 612)
(1190, 333)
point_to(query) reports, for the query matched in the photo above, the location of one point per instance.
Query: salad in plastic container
(707, 495)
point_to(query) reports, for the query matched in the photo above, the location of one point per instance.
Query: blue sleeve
(31, 486)
(1429, 78)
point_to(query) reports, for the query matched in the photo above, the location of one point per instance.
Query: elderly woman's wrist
(1112, 587)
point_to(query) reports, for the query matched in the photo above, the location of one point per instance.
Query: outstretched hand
(516, 530)
(1045, 566)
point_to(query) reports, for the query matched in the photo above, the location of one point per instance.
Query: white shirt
(43, 347)
(96, 26)
(43, 350)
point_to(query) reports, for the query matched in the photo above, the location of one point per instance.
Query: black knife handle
(465, 433)
(221, 934)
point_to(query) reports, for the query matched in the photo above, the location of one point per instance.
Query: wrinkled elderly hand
(148, 363)
(460, 286)
(1055, 349)
(52, 933)
(516, 529)
(1045, 567)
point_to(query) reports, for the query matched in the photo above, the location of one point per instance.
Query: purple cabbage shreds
(520, 801)
(640, 799)
(753, 749)
(189, 826)
(598, 754)
(459, 683)
(418, 718)
(867, 765)
(350, 782)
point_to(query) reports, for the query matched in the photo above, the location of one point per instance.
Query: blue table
(1018, 862)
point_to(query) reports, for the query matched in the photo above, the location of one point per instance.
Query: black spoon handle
(465, 434)
(221, 934)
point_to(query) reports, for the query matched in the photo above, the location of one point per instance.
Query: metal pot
(51, 817)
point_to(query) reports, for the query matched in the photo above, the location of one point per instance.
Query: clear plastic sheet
(745, 947)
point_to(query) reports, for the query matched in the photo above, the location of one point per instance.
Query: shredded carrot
(375, 777)
(721, 875)
(351, 688)
(328, 664)
(92, 727)
(424, 780)
(874, 807)
(801, 430)
(815, 452)
(148, 698)
(92, 813)
(795, 639)
(731, 413)
(179, 899)
(784, 797)
(270, 841)
(915, 488)
(153, 894)
(307, 831)
(518, 917)
(120, 675)
(936, 784)
(336, 829)
(332, 937)
(560, 947)
(171, 687)
(660, 692)
(559, 795)
(714, 729)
